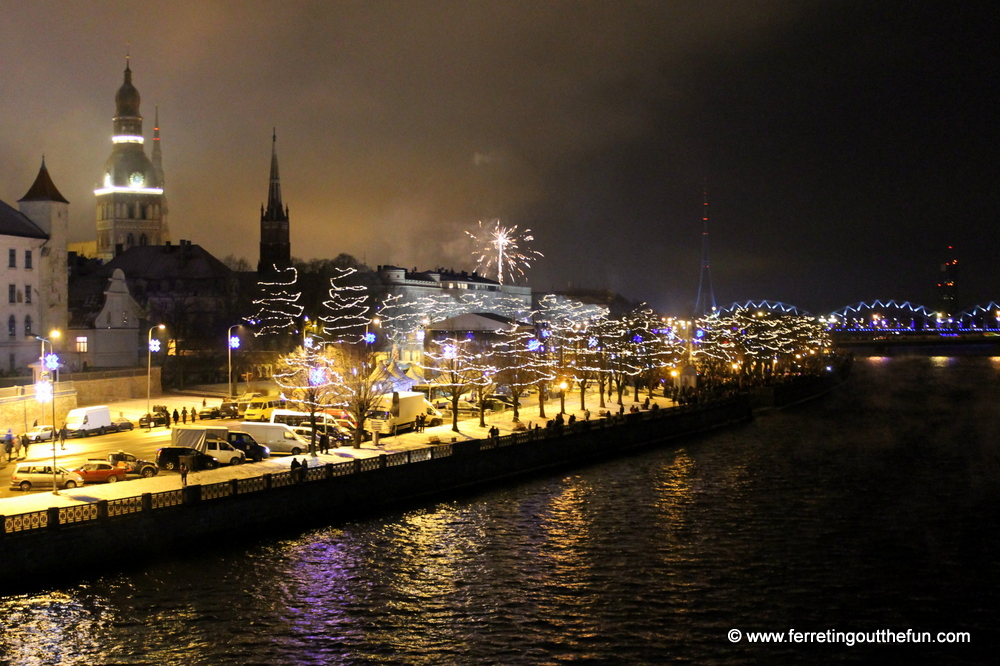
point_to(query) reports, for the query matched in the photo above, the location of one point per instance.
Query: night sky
(844, 144)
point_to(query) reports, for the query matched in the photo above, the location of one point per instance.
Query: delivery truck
(213, 440)
(398, 411)
(86, 421)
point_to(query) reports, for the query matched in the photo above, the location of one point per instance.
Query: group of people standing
(15, 447)
(182, 416)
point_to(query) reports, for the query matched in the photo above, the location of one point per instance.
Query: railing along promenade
(104, 511)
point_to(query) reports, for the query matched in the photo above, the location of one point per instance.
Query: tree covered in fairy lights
(521, 362)
(311, 377)
(363, 380)
(347, 312)
(278, 307)
(567, 324)
(757, 345)
(457, 365)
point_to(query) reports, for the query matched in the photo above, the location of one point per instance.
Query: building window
(12, 327)
(81, 344)
(27, 293)
(12, 259)
(27, 326)
(27, 258)
(143, 240)
(129, 240)
(12, 293)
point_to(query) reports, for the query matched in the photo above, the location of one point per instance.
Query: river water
(873, 508)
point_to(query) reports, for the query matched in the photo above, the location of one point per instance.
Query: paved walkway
(132, 409)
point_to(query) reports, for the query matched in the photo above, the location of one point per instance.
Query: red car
(100, 471)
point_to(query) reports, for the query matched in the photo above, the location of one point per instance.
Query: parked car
(123, 424)
(41, 433)
(248, 445)
(28, 475)
(206, 413)
(338, 436)
(157, 419)
(169, 457)
(100, 471)
(224, 452)
(133, 465)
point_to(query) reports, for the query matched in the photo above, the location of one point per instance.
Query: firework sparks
(499, 247)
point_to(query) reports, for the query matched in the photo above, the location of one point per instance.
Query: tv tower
(705, 303)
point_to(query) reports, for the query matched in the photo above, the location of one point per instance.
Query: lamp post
(45, 391)
(149, 368)
(562, 397)
(233, 343)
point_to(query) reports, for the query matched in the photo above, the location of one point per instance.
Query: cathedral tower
(131, 209)
(45, 206)
(275, 248)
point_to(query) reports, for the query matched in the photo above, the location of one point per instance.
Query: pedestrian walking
(184, 415)
(184, 475)
(62, 437)
(8, 446)
(193, 412)
(17, 447)
(25, 440)
(324, 442)
(204, 403)
(177, 416)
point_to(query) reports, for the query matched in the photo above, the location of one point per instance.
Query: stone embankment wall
(100, 388)
(69, 542)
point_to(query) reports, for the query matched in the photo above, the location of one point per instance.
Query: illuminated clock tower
(131, 208)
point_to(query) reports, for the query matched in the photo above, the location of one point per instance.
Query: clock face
(136, 179)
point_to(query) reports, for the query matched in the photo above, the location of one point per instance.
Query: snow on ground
(132, 409)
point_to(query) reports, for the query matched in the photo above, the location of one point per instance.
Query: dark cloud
(843, 144)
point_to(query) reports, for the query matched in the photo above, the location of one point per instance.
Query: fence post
(357, 465)
(381, 461)
(53, 513)
(267, 481)
(146, 500)
(329, 471)
(3, 526)
(234, 487)
(102, 509)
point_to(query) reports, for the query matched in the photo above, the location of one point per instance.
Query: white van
(278, 437)
(86, 421)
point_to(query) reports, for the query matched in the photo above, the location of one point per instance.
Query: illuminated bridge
(885, 323)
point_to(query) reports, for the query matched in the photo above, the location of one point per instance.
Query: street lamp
(45, 391)
(149, 368)
(562, 397)
(234, 343)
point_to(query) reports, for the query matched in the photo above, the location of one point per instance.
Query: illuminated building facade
(948, 286)
(131, 208)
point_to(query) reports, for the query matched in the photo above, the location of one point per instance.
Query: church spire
(274, 191)
(275, 248)
(157, 155)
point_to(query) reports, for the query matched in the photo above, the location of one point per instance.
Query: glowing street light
(45, 392)
(149, 366)
(234, 343)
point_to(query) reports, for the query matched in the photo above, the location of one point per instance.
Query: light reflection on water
(875, 508)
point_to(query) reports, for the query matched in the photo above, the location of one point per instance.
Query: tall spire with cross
(275, 247)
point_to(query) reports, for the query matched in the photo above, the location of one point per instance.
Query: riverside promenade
(469, 429)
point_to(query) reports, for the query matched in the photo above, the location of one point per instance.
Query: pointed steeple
(275, 249)
(274, 207)
(43, 189)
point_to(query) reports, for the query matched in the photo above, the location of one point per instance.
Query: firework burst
(499, 248)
